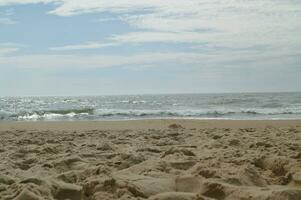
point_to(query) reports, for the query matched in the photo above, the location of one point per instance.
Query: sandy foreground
(151, 159)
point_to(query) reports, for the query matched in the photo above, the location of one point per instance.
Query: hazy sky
(78, 47)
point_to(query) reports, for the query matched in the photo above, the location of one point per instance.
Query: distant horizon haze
(137, 94)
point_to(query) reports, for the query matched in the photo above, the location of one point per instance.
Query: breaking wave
(90, 114)
(203, 106)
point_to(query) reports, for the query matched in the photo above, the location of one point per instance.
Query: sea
(238, 106)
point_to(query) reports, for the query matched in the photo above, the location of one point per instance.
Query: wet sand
(151, 159)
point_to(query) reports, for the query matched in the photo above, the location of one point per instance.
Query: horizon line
(137, 94)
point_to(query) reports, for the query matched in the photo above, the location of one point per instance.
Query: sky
(100, 47)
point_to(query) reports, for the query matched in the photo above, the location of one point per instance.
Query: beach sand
(151, 159)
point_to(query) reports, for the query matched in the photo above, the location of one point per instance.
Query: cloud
(224, 26)
(220, 23)
(9, 48)
(184, 60)
(108, 19)
(16, 2)
(230, 22)
(88, 45)
(163, 37)
(83, 61)
(5, 17)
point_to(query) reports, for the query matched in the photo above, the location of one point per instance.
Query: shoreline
(144, 124)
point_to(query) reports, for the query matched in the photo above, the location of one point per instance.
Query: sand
(151, 159)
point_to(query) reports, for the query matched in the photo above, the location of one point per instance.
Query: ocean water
(200, 106)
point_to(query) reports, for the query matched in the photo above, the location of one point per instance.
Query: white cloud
(88, 45)
(5, 17)
(141, 37)
(220, 59)
(225, 24)
(227, 40)
(82, 61)
(9, 48)
(221, 23)
(13, 2)
(108, 19)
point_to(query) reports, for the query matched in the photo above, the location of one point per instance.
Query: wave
(89, 113)
(233, 106)
(47, 114)
(67, 111)
(133, 102)
(100, 113)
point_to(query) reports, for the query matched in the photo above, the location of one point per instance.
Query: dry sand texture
(152, 159)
